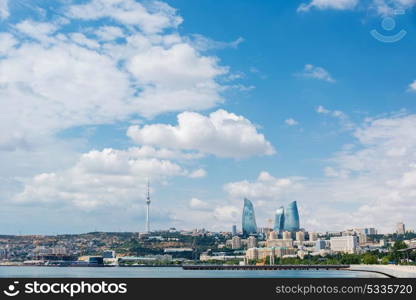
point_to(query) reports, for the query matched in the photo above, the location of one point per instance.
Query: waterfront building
(109, 254)
(400, 228)
(344, 244)
(251, 242)
(273, 235)
(206, 257)
(300, 236)
(179, 252)
(291, 215)
(287, 235)
(94, 260)
(279, 219)
(147, 259)
(313, 236)
(236, 242)
(249, 219)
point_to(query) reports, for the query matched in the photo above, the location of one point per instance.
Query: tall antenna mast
(148, 207)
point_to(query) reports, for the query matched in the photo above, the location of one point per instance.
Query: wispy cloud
(343, 118)
(380, 7)
(328, 4)
(291, 122)
(4, 9)
(311, 71)
(203, 43)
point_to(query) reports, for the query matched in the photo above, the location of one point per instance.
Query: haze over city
(97, 97)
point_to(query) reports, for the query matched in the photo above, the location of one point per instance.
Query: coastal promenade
(392, 270)
(265, 267)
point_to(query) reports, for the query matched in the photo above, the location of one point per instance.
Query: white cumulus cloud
(100, 179)
(94, 80)
(221, 133)
(265, 187)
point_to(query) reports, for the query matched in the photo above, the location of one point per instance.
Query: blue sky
(276, 101)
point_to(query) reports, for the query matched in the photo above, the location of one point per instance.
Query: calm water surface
(142, 272)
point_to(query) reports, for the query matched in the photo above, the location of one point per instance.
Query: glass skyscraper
(279, 219)
(249, 219)
(291, 217)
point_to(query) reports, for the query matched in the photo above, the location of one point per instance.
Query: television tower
(148, 208)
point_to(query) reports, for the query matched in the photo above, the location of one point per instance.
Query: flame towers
(291, 217)
(249, 219)
(279, 219)
(285, 219)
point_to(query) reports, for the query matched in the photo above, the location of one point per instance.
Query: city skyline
(215, 102)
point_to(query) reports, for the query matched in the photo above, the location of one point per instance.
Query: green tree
(395, 255)
(369, 259)
(385, 260)
(398, 245)
(350, 259)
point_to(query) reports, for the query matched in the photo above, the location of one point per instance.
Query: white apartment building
(344, 244)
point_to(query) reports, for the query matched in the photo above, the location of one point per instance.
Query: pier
(265, 267)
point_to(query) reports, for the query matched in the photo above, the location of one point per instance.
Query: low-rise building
(344, 244)
(206, 257)
(288, 243)
(251, 242)
(236, 242)
(262, 253)
(273, 235)
(109, 254)
(320, 245)
(300, 236)
(313, 236)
